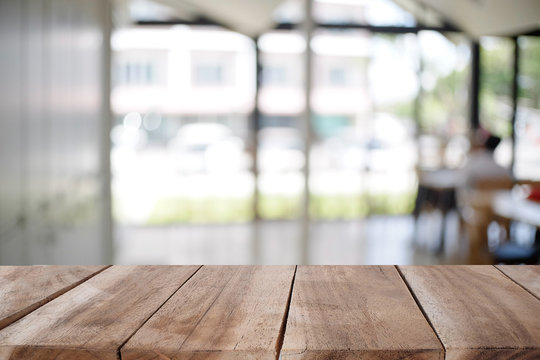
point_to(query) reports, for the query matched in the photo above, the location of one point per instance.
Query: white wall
(54, 126)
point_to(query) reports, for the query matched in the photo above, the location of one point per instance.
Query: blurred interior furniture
(507, 207)
(476, 213)
(437, 191)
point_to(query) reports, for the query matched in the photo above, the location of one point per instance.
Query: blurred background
(267, 132)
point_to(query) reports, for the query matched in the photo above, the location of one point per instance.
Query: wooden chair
(476, 214)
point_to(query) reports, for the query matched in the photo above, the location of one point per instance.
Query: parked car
(280, 150)
(208, 147)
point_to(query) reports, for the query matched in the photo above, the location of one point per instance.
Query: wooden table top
(270, 312)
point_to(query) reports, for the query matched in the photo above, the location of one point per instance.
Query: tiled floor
(374, 240)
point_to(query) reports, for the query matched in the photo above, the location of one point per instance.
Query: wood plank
(352, 312)
(25, 288)
(94, 319)
(526, 276)
(223, 312)
(477, 312)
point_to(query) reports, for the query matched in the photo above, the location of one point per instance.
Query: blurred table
(266, 312)
(509, 208)
(512, 208)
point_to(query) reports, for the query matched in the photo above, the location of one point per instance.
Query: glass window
(149, 73)
(443, 115)
(363, 153)
(527, 156)
(289, 11)
(364, 97)
(496, 72)
(182, 149)
(337, 76)
(214, 68)
(135, 73)
(208, 75)
(275, 75)
(281, 102)
(376, 12)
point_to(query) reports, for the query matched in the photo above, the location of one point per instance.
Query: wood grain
(223, 312)
(477, 312)
(94, 319)
(25, 288)
(356, 312)
(526, 276)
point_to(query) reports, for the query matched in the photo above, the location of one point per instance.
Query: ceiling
(249, 17)
(252, 17)
(489, 17)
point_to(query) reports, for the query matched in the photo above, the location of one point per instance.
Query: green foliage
(170, 210)
(280, 207)
(529, 67)
(496, 87)
(391, 204)
(443, 107)
(174, 210)
(401, 110)
(496, 69)
(337, 207)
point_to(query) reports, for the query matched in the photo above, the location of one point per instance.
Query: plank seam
(22, 313)
(516, 282)
(118, 352)
(208, 309)
(421, 308)
(283, 328)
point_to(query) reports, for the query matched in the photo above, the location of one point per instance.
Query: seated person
(482, 176)
(481, 167)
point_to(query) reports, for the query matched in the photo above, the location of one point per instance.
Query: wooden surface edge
(464, 351)
(154, 354)
(23, 312)
(452, 353)
(50, 352)
(417, 354)
(488, 354)
(510, 272)
(33, 346)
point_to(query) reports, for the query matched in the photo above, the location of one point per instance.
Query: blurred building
(176, 70)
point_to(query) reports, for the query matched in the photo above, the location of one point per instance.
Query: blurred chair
(476, 213)
(437, 191)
